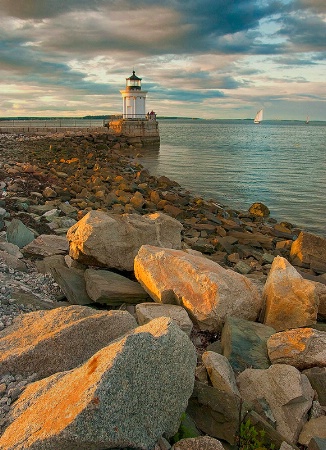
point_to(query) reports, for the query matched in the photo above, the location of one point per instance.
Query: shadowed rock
(110, 288)
(244, 344)
(308, 249)
(285, 390)
(45, 342)
(127, 395)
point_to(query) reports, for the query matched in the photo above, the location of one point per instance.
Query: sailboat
(307, 119)
(259, 116)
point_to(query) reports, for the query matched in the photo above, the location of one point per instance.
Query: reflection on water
(239, 163)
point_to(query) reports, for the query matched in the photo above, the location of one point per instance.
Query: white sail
(259, 116)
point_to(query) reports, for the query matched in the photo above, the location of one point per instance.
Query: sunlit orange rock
(302, 348)
(113, 240)
(308, 249)
(290, 300)
(127, 395)
(206, 290)
(45, 342)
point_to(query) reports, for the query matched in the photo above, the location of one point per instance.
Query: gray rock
(215, 412)
(127, 395)
(19, 234)
(110, 288)
(314, 428)
(220, 372)
(45, 342)
(47, 245)
(198, 443)
(317, 378)
(12, 249)
(244, 343)
(72, 283)
(149, 311)
(317, 444)
(13, 261)
(285, 390)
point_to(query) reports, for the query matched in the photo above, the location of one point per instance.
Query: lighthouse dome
(133, 82)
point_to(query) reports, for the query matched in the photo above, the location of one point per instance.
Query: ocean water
(235, 162)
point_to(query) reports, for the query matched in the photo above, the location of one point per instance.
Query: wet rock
(114, 399)
(113, 241)
(259, 210)
(302, 348)
(290, 301)
(208, 292)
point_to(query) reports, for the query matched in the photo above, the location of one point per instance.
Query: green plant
(250, 438)
(187, 429)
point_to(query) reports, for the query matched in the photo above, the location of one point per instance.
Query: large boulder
(308, 249)
(112, 240)
(127, 395)
(285, 391)
(206, 290)
(302, 348)
(290, 300)
(244, 344)
(45, 342)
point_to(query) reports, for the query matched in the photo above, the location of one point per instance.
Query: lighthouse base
(140, 132)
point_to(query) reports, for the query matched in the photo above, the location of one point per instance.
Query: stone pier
(140, 132)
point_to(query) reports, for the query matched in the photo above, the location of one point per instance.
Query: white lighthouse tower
(133, 98)
(139, 127)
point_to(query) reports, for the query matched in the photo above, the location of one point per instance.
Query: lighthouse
(139, 127)
(133, 99)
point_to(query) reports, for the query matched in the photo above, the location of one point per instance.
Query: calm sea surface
(279, 163)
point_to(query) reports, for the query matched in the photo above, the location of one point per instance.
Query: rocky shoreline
(55, 187)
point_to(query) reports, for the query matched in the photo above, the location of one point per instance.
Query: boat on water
(259, 116)
(307, 119)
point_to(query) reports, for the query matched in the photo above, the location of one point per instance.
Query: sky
(197, 58)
